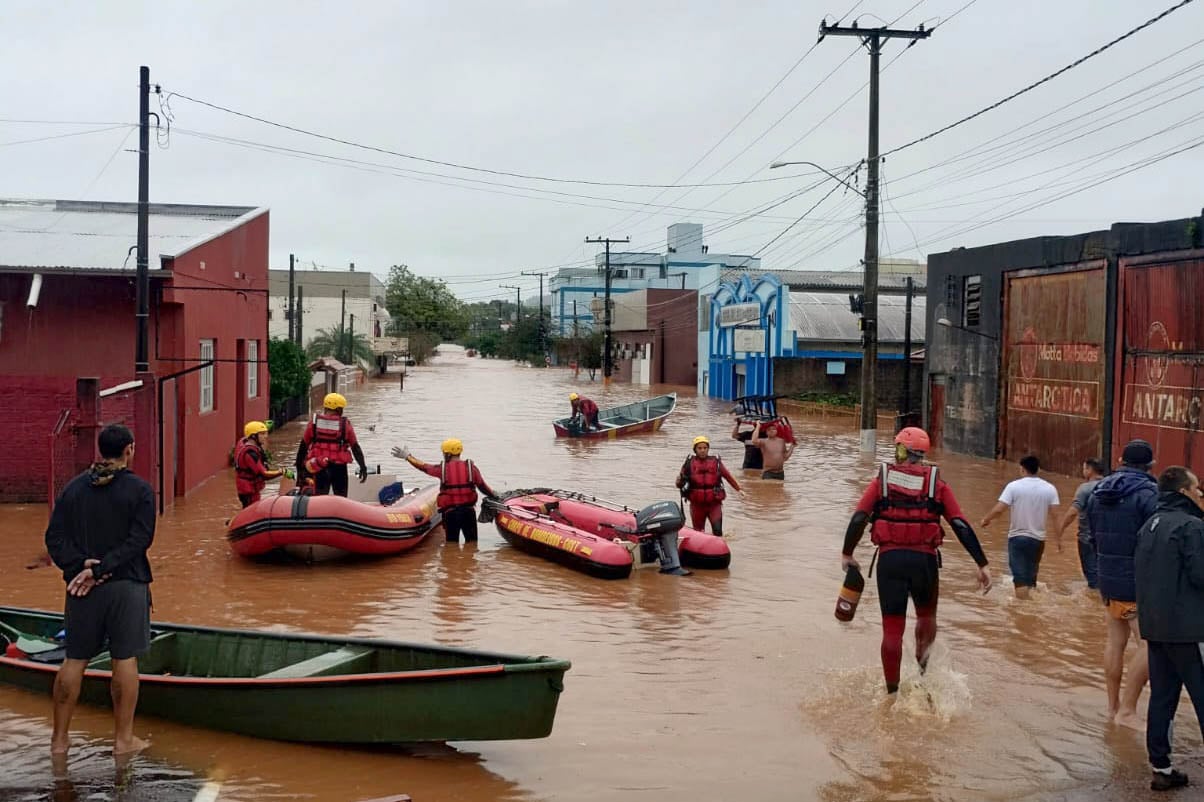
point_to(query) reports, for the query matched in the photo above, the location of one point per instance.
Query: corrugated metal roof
(93, 235)
(831, 279)
(826, 317)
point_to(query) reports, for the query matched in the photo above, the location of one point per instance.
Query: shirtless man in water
(774, 451)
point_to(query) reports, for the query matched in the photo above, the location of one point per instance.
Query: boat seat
(347, 660)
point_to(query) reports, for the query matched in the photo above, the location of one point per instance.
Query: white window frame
(208, 348)
(252, 368)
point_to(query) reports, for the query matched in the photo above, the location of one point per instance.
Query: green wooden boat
(309, 687)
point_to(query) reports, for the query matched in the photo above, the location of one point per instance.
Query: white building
(686, 264)
(321, 303)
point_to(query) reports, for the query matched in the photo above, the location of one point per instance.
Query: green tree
(422, 304)
(289, 372)
(341, 343)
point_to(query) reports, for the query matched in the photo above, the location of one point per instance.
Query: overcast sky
(617, 92)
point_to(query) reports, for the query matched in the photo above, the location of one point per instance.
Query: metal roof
(827, 317)
(820, 280)
(77, 236)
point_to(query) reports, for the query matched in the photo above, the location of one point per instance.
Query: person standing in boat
(251, 470)
(459, 480)
(774, 450)
(331, 436)
(585, 412)
(701, 481)
(101, 528)
(904, 506)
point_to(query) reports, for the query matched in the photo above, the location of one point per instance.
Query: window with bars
(972, 301)
(207, 350)
(252, 368)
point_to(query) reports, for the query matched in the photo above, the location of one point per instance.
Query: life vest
(907, 515)
(456, 488)
(706, 482)
(330, 439)
(246, 479)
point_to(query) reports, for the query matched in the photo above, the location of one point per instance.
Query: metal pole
(869, 359)
(872, 39)
(300, 315)
(907, 350)
(607, 363)
(142, 277)
(292, 329)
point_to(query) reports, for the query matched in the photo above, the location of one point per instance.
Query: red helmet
(913, 439)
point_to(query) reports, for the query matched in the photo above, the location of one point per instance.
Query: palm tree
(343, 344)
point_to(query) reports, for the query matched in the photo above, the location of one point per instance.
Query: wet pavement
(736, 684)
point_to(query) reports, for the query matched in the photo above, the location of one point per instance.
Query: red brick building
(67, 291)
(655, 334)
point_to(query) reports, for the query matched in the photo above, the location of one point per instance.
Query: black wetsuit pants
(332, 477)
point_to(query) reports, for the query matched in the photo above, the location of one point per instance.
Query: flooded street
(736, 684)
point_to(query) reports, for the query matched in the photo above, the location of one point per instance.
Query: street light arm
(944, 321)
(823, 170)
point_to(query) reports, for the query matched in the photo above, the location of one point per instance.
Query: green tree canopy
(421, 304)
(289, 372)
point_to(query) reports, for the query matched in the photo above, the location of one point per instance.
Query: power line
(63, 136)
(1044, 80)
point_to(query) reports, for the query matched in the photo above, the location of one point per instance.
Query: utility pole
(292, 329)
(343, 314)
(574, 319)
(907, 352)
(543, 337)
(300, 315)
(871, 38)
(518, 302)
(351, 341)
(142, 274)
(606, 348)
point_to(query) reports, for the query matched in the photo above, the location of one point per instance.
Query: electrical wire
(1040, 82)
(62, 136)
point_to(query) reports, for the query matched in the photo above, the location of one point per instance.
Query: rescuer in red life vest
(701, 481)
(251, 470)
(331, 436)
(585, 411)
(905, 504)
(459, 480)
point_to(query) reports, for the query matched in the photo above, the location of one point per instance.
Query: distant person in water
(752, 454)
(1031, 500)
(1093, 472)
(774, 450)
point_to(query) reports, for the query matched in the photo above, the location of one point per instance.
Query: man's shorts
(117, 611)
(781, 475)
(1121, 610)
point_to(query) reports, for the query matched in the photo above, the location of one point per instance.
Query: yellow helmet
(452, 446)
(334, 401)
(701, 439)
(573, 396)
(254, 427)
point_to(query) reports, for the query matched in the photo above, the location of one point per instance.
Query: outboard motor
(662, 521)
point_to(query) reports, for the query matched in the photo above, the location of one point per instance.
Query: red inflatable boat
(593, 535)
(325, 527)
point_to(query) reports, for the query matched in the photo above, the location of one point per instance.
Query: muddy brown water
(735, 684)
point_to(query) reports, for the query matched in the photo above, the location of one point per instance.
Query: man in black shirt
(100, 530)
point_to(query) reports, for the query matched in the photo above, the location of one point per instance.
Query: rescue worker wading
(251, 470)
(905, 504)
(459, 480)
(701, 482)
(330, 436)
(585, 413)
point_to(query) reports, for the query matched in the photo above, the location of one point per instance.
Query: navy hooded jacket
(1119, 506)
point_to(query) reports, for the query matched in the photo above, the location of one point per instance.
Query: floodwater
(736, 684)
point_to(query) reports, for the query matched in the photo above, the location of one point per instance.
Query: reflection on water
(734, 684)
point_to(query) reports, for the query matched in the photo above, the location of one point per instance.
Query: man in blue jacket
(1170, 595)
(1118, 508)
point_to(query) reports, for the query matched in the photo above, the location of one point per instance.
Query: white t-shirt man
(1029, 499)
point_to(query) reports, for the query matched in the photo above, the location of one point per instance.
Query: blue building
(685, 265)
(757, 321)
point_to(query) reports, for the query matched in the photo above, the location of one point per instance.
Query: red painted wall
(221, 290)
(83, 326)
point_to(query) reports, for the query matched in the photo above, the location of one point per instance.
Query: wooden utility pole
(292, 328)
(543, 337)
(141, 264)
(607, 356)
(872, 39)
(518, 302)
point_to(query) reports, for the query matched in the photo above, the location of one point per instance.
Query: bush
(289, 373)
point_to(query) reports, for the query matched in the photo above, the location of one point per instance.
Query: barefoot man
(102, 526)
(774, 451)
(1118, 508)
